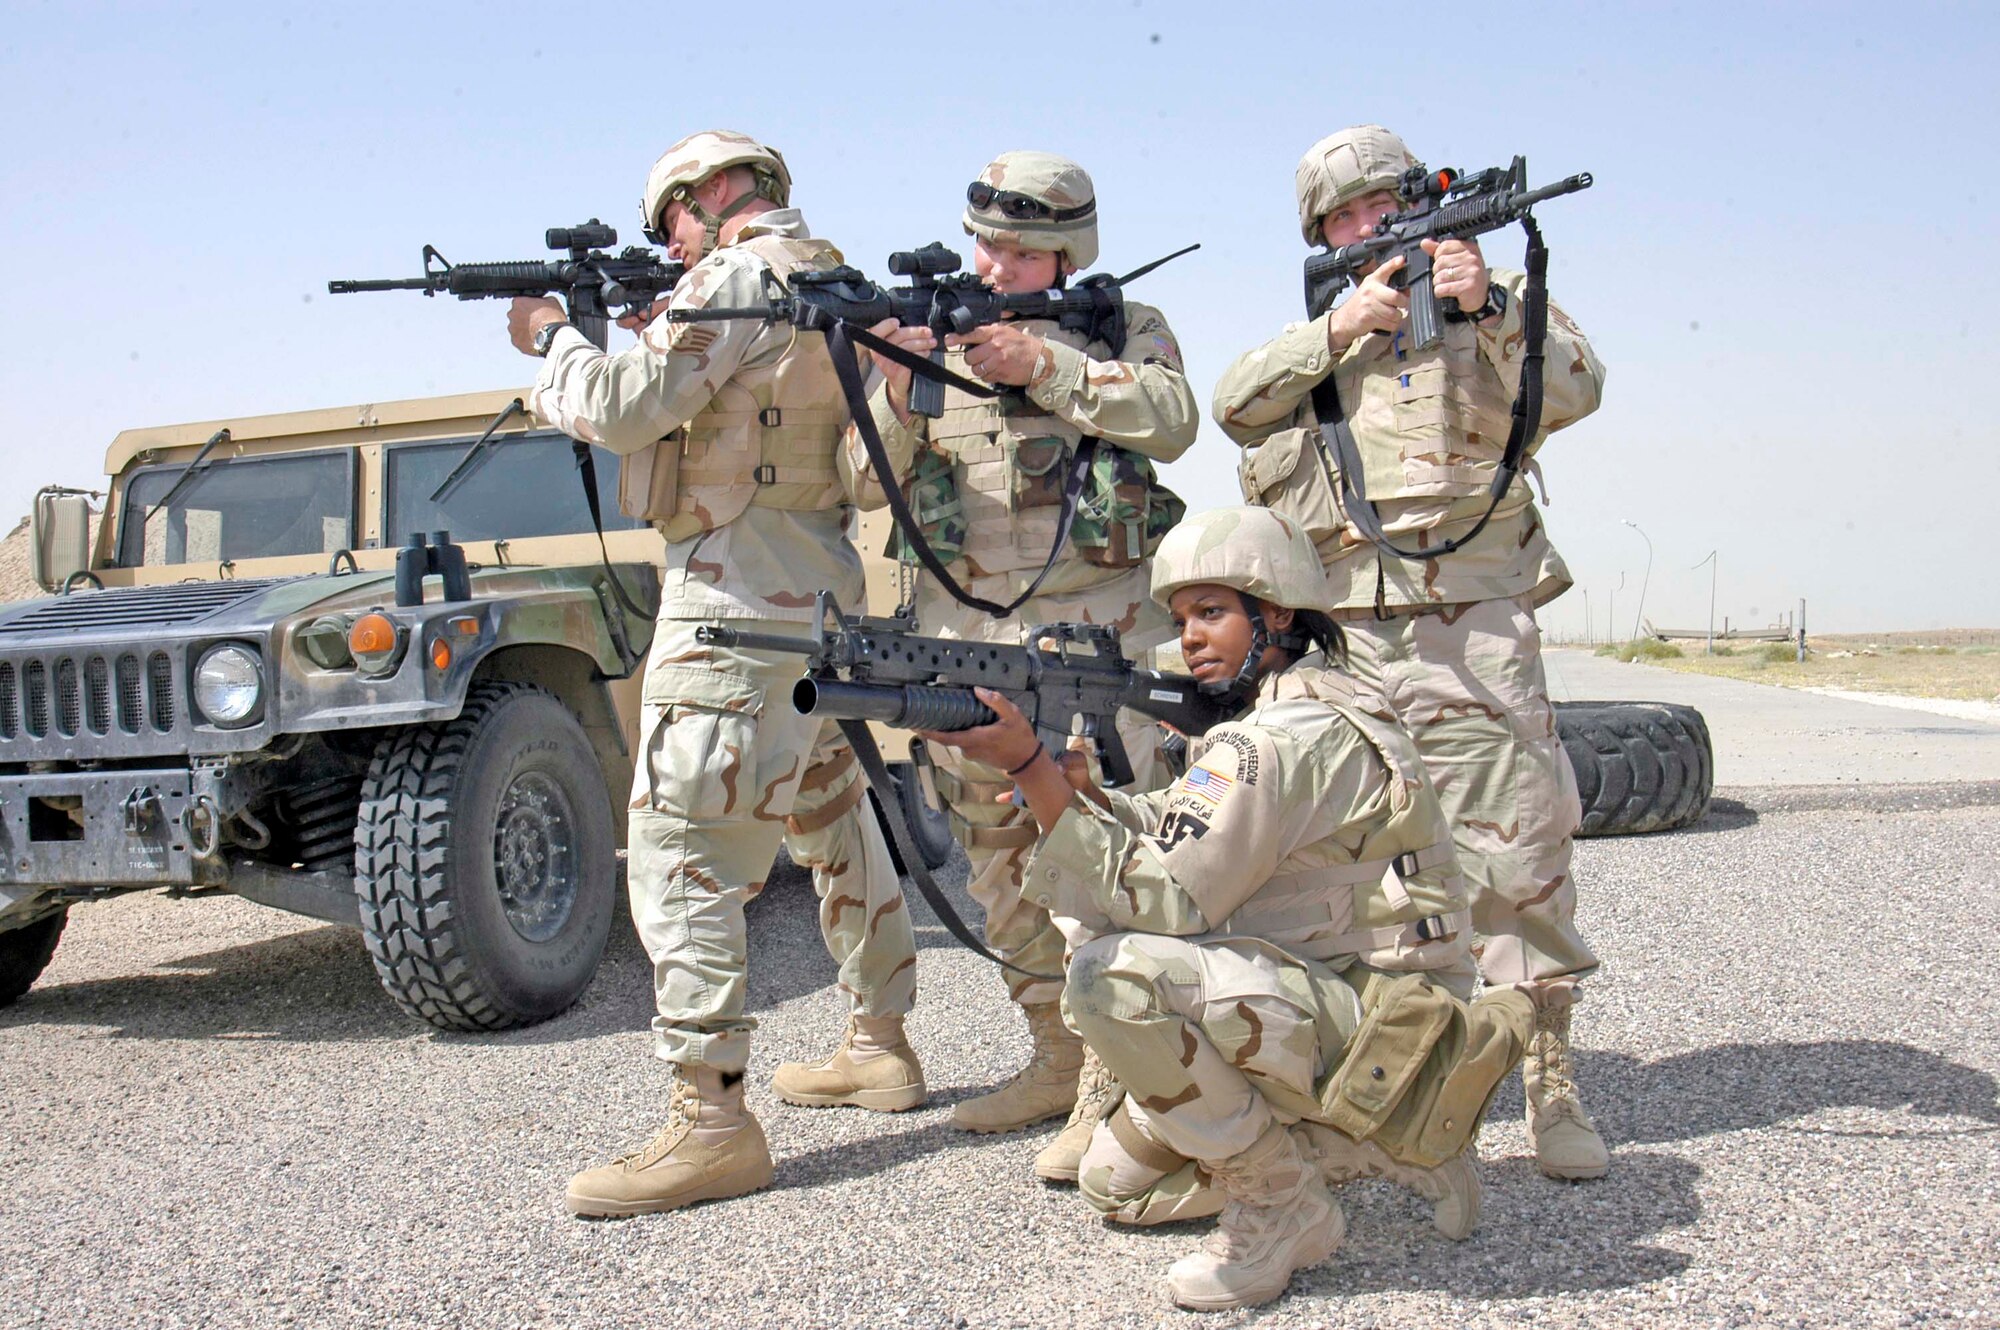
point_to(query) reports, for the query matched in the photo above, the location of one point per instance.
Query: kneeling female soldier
(1279, 938)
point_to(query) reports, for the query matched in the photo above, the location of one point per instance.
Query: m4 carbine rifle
(1437, 205)
(590, 281)
(1071, 679)
(939, 297)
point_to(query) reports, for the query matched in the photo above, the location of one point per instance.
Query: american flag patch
(1206, 784)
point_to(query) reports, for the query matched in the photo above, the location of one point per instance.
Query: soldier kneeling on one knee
(1280, 957)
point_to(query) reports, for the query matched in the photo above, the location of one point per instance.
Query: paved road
(214, 1118)
(1766, 735)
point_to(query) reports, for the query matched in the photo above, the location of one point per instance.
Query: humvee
(283, 670)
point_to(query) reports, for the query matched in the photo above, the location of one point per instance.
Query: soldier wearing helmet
(986, 482)
(1260, 941)
(728, 432)
(1450, 640)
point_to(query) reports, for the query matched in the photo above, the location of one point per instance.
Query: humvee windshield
(240, 508)
(527, 487)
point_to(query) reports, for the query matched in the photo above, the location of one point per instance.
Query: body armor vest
(1427, 425)
(767, 438)
(988, 488)
(1395, 910)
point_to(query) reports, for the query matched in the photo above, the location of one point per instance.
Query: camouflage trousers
(999, 838)
(1213, 1039)
(726, 771)
(1468, 684)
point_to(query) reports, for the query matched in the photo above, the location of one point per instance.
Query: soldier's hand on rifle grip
(1375, 306)
(918, 340)
(527, 315)
(1000, 353)
(639, 322)
(1010, 744)
(1458, 272)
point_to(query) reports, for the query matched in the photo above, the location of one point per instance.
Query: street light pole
(1646, 577)
(1713, 563)
(1589, 626)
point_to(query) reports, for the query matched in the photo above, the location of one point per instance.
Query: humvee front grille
(67, 695)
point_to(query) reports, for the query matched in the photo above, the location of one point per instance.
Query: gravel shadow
(314, 985)
(1536, 1238)
(1738, 1087)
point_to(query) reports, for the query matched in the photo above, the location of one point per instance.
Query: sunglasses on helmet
(1019, 207)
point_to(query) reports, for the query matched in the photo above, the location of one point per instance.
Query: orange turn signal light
(372, 635)
(441, 654)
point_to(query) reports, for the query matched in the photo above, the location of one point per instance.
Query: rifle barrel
(381, 284)
(715, 634)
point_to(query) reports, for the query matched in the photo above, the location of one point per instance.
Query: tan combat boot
(1280, 1218)
(1095, 1086)
(1564, 1139)
(710, 1148)
(874, 1067)
(1042, 1089)
(1452, 1187)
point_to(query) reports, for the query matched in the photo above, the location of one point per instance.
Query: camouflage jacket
(1308, 822)
(1429, 432)
(767, 562)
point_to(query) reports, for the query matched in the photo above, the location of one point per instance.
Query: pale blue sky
(1787, 262)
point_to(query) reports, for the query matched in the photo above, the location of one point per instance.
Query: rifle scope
(593, 234)
(930, 261)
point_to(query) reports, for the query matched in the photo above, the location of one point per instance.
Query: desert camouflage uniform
(727, 768)
(1002, 461)
(1451, 642)
(1249, 918)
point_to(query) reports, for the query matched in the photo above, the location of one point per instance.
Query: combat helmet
(1036, 200)
(1345, 166)
(696, 158)
(1263, 556)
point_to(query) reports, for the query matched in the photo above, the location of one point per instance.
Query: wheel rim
(536, 856)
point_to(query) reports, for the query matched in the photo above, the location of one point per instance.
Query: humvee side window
(243, 508)
(527, 486)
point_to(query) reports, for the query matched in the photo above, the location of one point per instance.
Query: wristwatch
(1496, 304)
(545, 336)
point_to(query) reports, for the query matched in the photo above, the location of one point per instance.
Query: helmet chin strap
(711, 222)
(1242, 689)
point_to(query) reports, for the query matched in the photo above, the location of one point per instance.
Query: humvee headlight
(229, 684)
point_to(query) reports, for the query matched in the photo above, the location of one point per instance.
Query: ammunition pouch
(1291, 473)
(1124, 511)
(932, 493)
(649, 484)
(1418, 1075)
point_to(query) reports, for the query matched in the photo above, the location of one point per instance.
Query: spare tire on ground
(1640, 766)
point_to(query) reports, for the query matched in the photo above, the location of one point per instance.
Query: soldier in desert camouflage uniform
(1451, 641)
(985, 479)
(1279, 938)
(729, 432)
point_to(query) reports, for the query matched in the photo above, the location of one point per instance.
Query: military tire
(1640, 766)
(929, 827)
(483, 861)
(25, 953)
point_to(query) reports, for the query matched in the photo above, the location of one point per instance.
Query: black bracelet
(1039, 750)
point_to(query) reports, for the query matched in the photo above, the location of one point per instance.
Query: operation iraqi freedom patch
(1243, 746)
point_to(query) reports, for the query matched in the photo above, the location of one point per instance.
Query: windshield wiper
(469, 460)
(188, 473)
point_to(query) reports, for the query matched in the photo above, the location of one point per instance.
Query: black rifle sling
(847, 369)
(1527, 419)
(586, 467)
(870, 757)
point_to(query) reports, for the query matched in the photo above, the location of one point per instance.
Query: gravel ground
(216, 1118)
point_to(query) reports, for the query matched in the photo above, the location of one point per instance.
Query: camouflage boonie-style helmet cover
(699, 156)
(1055, 181)
(1345, 166)
(1259, 552)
